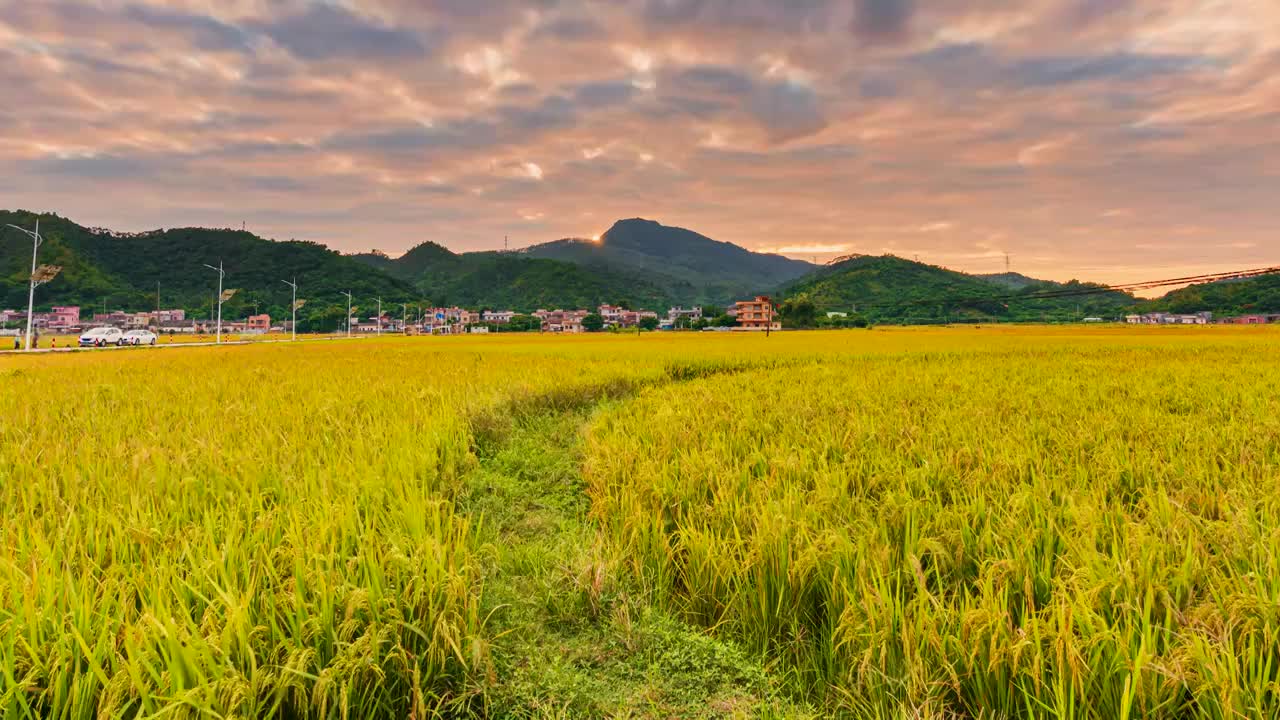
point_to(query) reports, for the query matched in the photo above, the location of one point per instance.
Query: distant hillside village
(1200, 318)
(756, 315)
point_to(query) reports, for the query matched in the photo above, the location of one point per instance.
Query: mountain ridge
(717, 272)
(122, 269)
(891, 289)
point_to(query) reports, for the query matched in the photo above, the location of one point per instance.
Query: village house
(177, 327)
(617, 317)
(679, 316)
(1247, 320)
(61, 319)
(115, 318)
(497, 317)
(562, 321)
(65, 318)
(757, 314)
(259, 324)
(611, 314)
(1160, 318)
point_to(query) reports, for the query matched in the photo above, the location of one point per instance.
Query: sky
(1108, 140)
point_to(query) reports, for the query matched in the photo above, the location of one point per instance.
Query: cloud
(569, 29)
(882, 20)
(1126, 66)
(207, 33)
(787, 110)
(93, 167)
(325, 31)
(553, 112)
(673, 11)
(792, 123)
(968, 65)
(712, 80)
(604, 94)
(462, 133)
(784, 109)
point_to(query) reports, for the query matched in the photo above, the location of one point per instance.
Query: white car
(138, 337)
(101, 337)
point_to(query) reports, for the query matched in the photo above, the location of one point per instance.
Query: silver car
(138, 337)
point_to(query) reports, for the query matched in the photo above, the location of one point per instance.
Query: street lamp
(36, 276)
(294, 306)
(348, 313)
(221, 274)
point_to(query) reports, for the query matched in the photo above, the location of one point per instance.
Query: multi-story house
(563, 321)
(497, 317)
(757, 314)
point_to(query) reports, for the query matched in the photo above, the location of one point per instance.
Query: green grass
(572, 640)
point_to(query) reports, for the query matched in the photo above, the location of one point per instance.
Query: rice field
(1012, 522)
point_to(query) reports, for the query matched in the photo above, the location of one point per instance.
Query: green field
(977, 522)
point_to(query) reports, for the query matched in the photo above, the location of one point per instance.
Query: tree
(593, 323)
(649, 323)
(524, 323)
(798, 312)
(725, 320)
(323, 319)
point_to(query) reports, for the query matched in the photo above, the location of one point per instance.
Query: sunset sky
(1110, 140)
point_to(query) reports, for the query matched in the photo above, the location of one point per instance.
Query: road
(167, 346)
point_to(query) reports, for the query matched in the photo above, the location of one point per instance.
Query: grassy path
(572, 641)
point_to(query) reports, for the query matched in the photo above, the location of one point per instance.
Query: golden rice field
(943, 523)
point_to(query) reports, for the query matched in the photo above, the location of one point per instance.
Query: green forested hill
(122, 271)
(638, 263)
(890, 289)
(514, 281)
(690, 267)
(1229, 297)
(424, 259)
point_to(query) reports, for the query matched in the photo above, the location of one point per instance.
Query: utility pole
(506, 243)
(404, 316)
(36, 240)
(348, 313)
(294, 305)
(379, 317)
(1008, 264)
(221, 275)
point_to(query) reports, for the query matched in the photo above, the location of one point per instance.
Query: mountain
(121, 270)
(1248, 296)
(413, 265)
(1011, 280)
(690, 267)
(889, 289)
(514, 281)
